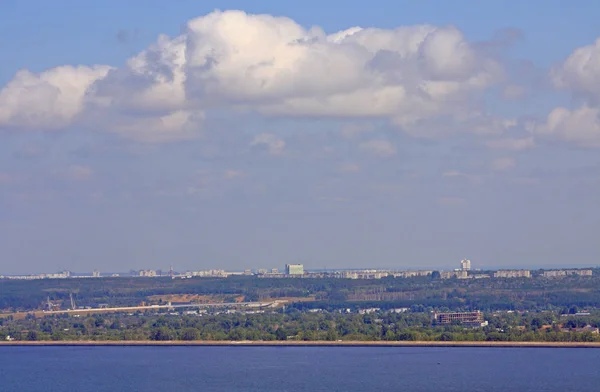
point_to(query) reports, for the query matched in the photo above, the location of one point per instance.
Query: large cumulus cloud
(49, 100)
(271, 65)
(579, 75)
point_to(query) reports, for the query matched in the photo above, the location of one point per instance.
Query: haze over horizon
(405, 135)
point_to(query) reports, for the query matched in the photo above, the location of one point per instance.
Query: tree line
(296, 325)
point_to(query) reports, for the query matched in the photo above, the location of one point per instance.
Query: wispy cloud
(451, 201)
(348, 167)
(511, 143)
(274, 144)
(78, 173)
(502, 164)
(381, 148)
(230, 174)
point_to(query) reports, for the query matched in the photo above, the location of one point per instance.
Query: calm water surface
(224, 369)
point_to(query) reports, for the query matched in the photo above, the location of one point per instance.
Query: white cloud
(351, 131)
(580, 72)
(514, 92)
(382, 148)
(172, 126)
(235, 61)
(501, 164)
(335, 199)
(230, 174)
(511, 143)
(580, 75)
(152, 81)
(456, 174)
(5, 178)
(48, 100)
(580, 126)
(348, 167)
(273, 143)
(451, 201)
(78, 173)
(453, 173)
(462, 120)
(389, 188)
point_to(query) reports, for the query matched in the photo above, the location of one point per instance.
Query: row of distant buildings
(58, 275)
(508, 274)
(297, 270)
(464, 272)
(290, 270)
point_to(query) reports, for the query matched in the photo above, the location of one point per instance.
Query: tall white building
(294, 269)
(465, 265)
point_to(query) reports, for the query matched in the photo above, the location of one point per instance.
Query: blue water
(221, 369)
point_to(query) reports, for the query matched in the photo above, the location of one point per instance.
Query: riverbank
(306, 343)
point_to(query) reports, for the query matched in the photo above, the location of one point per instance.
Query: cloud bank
(261, 64)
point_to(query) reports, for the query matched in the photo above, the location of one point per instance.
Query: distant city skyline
(340, 135)
(271, 269)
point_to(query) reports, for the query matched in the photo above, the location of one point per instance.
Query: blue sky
(452, 129)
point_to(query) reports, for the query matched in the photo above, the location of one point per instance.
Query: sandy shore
(305, 344)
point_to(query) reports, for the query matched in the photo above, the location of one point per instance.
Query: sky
(338, 134)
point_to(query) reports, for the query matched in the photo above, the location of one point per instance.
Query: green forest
(296, 325)
(326, 293)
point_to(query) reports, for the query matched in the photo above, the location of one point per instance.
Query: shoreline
(228, 343)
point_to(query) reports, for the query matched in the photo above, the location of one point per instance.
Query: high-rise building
(294, 269)
(465, 265)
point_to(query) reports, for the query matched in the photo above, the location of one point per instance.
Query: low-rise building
(587, 328)
(461, 274)
(567, 272)
(147, 273)
(466, 318)
(512, 274)
(213, 273)
(368, 311)
(410, 274)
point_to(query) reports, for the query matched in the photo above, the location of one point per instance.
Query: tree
(162, 333)
(332, 335)
(32, 336)
(236, 334)
(98, 321)
(190, 334)
(280, 334)
(446, 337)
(536, 323)
(574, 309)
